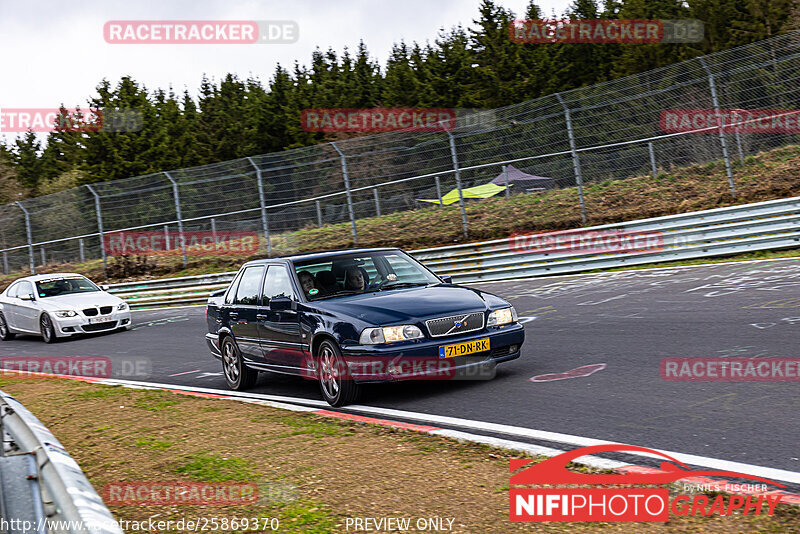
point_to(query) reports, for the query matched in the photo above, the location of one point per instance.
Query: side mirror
(27, 297)
(281, 304)
(446, 279)
(105, 287)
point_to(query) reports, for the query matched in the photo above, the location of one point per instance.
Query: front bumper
(419, 359)
(70, 326)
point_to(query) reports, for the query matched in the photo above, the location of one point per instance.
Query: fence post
(505, 179)
(99, 216)
(30, 237)
(349, 195)
(166, 236)
(319, 213)
(438, 190)
(738, 137)
(44, 257)
(454, 155)
(576, 162)
(652, 159)
(177, 197)
(214, 230)
(264, 219)
(377, 202)
(5, 262)
(81, 253)
(722, 141)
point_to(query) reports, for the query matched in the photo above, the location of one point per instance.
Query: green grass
(212, 468)
(157, 400)
(104, 392)
(152, 443)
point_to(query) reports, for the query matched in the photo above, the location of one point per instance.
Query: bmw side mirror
(281, 304)
(27, 297)
(105, 287)
(446, 279)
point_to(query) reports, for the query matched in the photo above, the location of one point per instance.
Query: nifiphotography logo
(624, 501)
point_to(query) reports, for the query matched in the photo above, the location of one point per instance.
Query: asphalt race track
(626, 320)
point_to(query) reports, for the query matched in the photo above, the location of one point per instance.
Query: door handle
(233, 315)
(261, 316)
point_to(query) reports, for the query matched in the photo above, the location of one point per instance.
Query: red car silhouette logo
(554, 471)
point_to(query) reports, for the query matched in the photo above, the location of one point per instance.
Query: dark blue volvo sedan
(354, 316)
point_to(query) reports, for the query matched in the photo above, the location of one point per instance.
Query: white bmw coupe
(59, 305)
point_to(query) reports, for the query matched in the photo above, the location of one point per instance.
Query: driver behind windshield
(354, 279)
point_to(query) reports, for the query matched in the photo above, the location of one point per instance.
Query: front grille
(105, 310)
(99, 326)
(446, 326)
(90, 312)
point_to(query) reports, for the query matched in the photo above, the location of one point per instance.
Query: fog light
(67, 329)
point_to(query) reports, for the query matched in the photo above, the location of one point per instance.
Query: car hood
(410, 305)
(79, 301)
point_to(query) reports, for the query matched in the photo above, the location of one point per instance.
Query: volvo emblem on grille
(458, 324)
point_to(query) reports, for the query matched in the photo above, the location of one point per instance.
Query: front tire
(335, 383)
(46, 329)
(238, 376)
(5, 333)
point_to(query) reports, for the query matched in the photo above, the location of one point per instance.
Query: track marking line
(585, 273)
(186, 373)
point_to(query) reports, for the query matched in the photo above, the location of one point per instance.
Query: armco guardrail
(48, 488)
(774, 224)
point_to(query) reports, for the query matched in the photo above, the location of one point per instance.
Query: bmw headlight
(502, 316)
(389, 334)
(66, 313)
(122, 306)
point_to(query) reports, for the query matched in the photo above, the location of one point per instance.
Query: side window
(12, 291)
(247, 292)
(24, 289)
(277, 284)
(232, 289)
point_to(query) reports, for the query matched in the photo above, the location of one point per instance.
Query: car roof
(319, 255)
(49, 276)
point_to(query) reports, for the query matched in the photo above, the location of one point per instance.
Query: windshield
(360, 273)
(64, 286)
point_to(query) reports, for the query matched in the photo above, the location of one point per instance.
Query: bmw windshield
(349, 274)
(64, 286)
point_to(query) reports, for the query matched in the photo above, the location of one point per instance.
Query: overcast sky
(54, 51)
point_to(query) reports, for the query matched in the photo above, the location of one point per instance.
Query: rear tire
(5, 333)
(238, 376)
(46, 329)
(335, 382)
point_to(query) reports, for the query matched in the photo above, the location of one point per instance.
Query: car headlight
(389, 334)
(66, 313)
(122, 306)
(502, 316)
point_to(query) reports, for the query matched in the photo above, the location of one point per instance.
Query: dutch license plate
(96, 320)
(461, 349)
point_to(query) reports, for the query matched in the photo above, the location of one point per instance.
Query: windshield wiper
(397, 285)
(339, 293)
